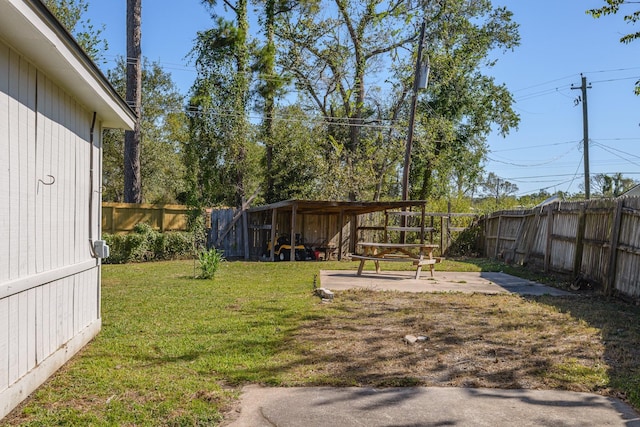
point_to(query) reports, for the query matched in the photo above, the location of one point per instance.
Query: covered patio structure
(330, 227)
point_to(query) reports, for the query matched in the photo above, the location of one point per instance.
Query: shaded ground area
(477, 340)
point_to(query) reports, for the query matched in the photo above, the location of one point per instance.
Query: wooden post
(274, 217)
(113, 220)
(547, 251)
(495, 254)
(577, 261)
(341, 225)
(531, 236)
(613, 248)
(353, 233)
(442, 234)
(162, 212)
(245, 231)
(386, 224)
(294, 209)
(422, 223)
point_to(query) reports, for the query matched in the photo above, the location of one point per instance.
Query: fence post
(162, 214)
(547, 251)
(577, 261)
(613, 248)
(495, 255)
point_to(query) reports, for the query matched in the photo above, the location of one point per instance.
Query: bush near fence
(145, 244)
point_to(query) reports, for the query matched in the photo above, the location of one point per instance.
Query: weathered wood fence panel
(226, 234)
(123, 217)
(597, 241)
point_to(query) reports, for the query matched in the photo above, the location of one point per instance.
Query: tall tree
(611, 185)
(462, 104)
(164, 132)
(70, 14)
(344, 63)
(219, 125)
(497, 187)
(132, 139)
(331, 60)
(270, 84)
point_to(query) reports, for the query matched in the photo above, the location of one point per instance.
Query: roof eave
(30, 28)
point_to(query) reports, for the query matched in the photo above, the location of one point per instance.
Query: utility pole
(418, 83)
(585, 131)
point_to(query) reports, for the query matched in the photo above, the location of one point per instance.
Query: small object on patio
(422, 338)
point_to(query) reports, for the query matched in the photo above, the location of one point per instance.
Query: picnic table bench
(397, 252)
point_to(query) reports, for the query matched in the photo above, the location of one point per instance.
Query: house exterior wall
(49, 280)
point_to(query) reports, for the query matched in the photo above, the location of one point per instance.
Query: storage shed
(54, 104)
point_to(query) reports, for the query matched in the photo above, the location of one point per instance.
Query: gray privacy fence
(596, 241)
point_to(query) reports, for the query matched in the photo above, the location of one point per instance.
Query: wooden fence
(596, 241)
(123, 217)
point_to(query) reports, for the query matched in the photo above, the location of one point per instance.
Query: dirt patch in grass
(498, 341)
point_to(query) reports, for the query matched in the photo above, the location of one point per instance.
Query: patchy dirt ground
(500, 341)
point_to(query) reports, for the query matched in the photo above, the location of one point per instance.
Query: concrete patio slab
(443, 281)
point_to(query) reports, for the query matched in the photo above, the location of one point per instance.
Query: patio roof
(331, 207)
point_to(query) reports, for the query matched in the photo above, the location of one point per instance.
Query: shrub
(209, 262)
(146, 244)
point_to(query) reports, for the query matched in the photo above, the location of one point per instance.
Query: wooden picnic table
(418, 253)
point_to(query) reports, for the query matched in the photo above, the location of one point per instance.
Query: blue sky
(558, 43)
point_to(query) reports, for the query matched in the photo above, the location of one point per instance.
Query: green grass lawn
(174, 350)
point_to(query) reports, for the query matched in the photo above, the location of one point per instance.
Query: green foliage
(461, 105)
(222, 157)
(610, 185)
(164, 131)
(145, 244)
(467, 243)
(69, 13)
(210, 260)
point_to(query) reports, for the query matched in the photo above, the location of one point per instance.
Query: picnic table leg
(360, 267)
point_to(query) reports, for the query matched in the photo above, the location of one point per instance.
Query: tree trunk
(132, 139)
(269, 95)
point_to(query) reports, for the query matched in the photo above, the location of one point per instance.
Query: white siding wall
(49, 283)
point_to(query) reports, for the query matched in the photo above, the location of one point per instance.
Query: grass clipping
(499, 341)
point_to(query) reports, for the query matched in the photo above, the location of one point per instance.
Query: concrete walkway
(443, 281)
(426, 406)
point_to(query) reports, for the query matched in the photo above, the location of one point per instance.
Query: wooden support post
(610, 279)
(386, 224)
(245, 231)
(341, 225)
(294, 212)
(274, 217)
(422, 218)
(442, 234)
